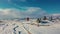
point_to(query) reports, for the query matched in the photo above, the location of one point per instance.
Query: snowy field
(23, 27)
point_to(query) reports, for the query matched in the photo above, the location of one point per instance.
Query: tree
(51, 18)
(44, 18)
(39, 20)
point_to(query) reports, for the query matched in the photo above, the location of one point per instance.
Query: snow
(25, 27)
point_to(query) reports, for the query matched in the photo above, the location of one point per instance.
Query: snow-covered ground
(25, 27)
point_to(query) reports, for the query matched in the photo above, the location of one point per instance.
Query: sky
(29, 8)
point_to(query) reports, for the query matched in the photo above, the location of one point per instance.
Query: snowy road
(14, 27)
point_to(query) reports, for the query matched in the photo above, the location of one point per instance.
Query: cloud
(17, 0)
(21, 13)
(56, 14)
